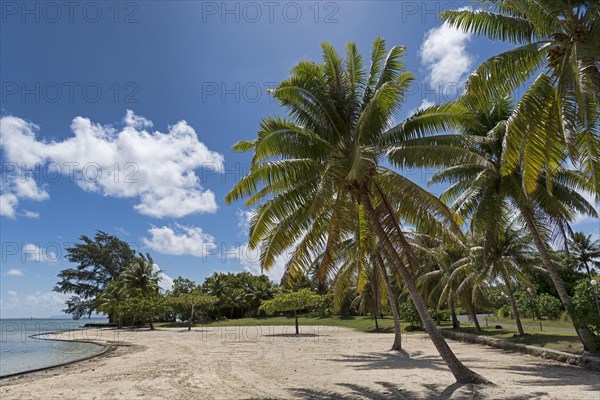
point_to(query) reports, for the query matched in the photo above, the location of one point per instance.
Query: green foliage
(409, 313)
(100, 261)
(504, 311)
(238, 294)
(144, 308)
(292, 301)
(585, 304)
(548, 306)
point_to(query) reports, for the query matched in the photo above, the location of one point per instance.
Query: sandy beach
(268, 362)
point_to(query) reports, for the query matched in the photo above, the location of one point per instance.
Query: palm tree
(560, 37)
(451, 279)
(480, 191)
(142, 276)
(110, 301)
(312, 170)
(585, 251)
(512, 253)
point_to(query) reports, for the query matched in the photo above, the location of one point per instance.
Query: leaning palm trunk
(588, 339)
(455, 321)
(474, 318)
(461, 373)
(513, 303)
(393, 305)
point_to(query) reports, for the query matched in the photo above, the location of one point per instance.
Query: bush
(504, 312)
(585, 306)
(548, 306)
(409, 313)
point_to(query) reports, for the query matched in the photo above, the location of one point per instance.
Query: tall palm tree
(585, 251)
(480, 191)
(142, 276)
(559, 112)
(313, 169)
(511, 253)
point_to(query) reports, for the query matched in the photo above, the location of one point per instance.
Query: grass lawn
(363, 324)
(532, 322)
(557, 340)
(550, 339)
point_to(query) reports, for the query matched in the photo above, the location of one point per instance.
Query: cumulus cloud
(445, 56)
(244, 218)
(165, 282)
(14, 272)
(30, 214)
(37, 254)
(36, 304)
(180, 240)
(158, 169)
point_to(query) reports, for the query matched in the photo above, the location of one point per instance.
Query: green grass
(363, 324)
(557, 340)
(532, 322)
(550, 339)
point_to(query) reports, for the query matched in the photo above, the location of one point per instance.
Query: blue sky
(120, 117)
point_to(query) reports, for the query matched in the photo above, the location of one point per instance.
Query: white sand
(258, 363)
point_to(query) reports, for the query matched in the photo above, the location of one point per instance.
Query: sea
(24, 347)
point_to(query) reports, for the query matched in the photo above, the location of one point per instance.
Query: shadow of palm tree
(389, 360)
(388, 390)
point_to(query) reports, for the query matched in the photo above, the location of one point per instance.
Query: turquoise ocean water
(20, 352)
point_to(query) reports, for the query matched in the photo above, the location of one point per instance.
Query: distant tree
(142, 308)
(585, 252)
(192, 302)
(182, 286)
(292, 301)
(99, 261)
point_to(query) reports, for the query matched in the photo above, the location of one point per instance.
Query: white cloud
(244, 218)
(157, 169)
(445, 56)
(180, 240)
(424, 104)
(39, 255)
(165, 282)
(136, 121)
(14, 272)
(30, 214)
(36, 304)
(8, 205)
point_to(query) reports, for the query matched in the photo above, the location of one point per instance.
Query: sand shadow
(389, 360)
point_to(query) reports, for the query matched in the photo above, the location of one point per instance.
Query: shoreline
(43, 336)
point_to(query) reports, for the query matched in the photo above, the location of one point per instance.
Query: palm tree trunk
(474, 318)
(588, 339)
(393, 305)
(455, 321)
(376, 323)
(461, 373)
(513, 303)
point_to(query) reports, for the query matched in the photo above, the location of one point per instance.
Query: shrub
(504, 312)
(585, 306)
(408, 312)
(548, 306)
